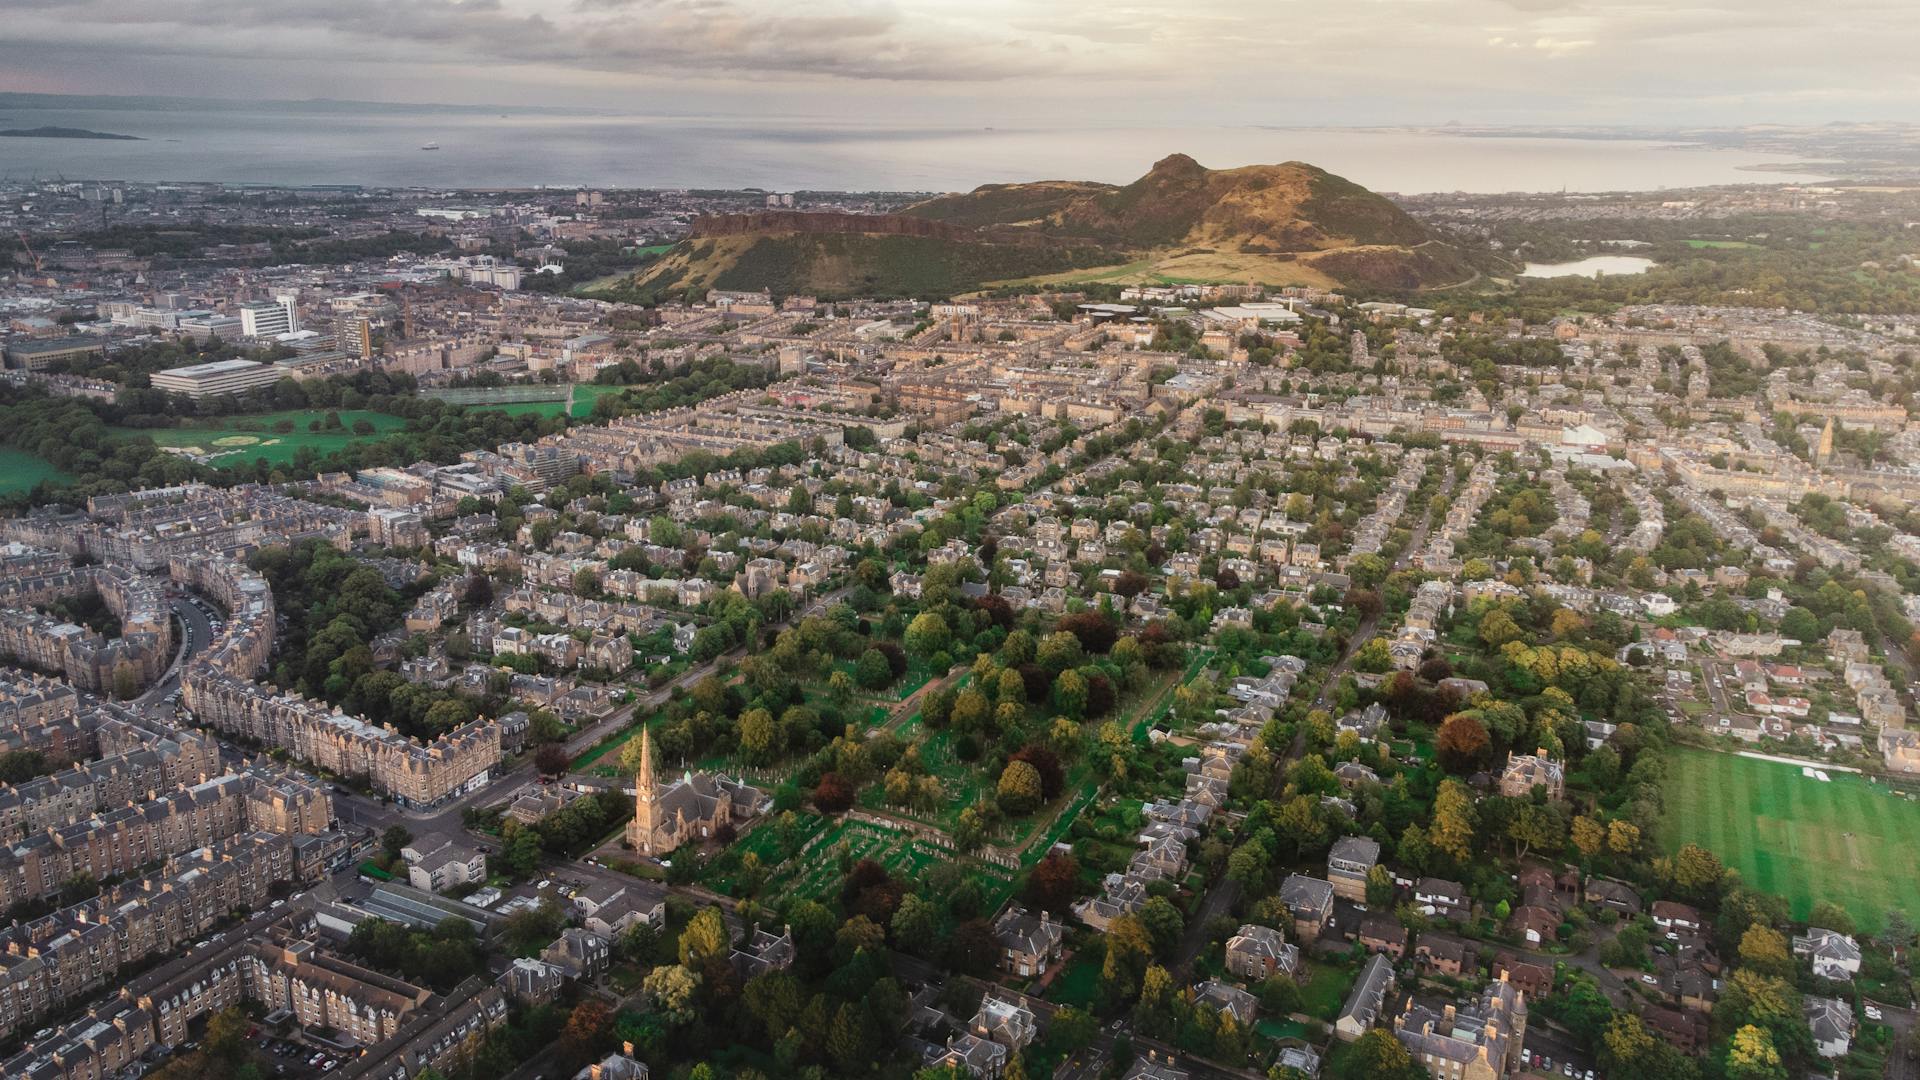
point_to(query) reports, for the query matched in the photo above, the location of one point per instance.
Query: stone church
(688, 810)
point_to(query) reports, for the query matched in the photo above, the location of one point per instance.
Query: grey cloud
(705, 36)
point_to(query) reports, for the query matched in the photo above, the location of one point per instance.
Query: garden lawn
(21, 471)
(1079, 984)
(241, 440)
(1844, 840)
(1326, 991)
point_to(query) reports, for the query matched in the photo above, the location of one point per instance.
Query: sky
(1285, 62)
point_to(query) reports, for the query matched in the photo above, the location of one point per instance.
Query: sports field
(20, 471)
(530, 400)
(240, 440)
(1844, 839)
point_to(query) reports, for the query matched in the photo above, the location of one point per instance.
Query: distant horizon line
(32, 99)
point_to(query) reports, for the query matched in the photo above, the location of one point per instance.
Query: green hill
(1290, 223)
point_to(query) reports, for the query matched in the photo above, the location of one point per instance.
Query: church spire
(640, 831)
(644, 782)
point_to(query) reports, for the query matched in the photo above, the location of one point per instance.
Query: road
(196, 633)
(1902, 1064)
(1226, 893)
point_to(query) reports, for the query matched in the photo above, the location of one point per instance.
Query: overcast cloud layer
(1641, 62)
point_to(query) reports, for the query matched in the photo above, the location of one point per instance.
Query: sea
(332, 143)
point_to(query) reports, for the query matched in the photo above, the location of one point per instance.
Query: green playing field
(1843, 839)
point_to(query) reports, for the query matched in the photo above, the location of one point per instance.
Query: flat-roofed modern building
(217, 378)
(40, 354)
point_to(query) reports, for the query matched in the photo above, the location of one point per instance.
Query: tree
(1585, 1011)
(1019, 789)
(126, 681)
(671, 989)
(705, 936)
(1070, 694)
(1697, 870)
(1378, 1055)
(1059, 651)
(1053, 882)
(1623, 837)
(1379, 886)
(849, 1041)
(1764, 949)
(1751, 1056)
(1154, 1009)
(1497, 628)
(479, 591)
(1461, 743)
(1247, 867)
(1164, 924)
(872, 670)
(759, 736)
(1898, 932)
(227, 1034)
(1588, 835)
(927, 634)
(552, 759)
(588, 1025)
(833, 795)
(395, 838)
(1800, 624)
(1129, 948)
(520, 855)
(1073, 1028)
(1535, 826)
(1452, 828)
(916, 923)
(840, 686)
(1831, 916)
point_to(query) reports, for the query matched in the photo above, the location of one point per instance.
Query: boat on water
(430, 146)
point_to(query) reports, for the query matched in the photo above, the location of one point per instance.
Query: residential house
(1260, 952)
(1028, 944)
(1442, 899)
(1366, 1001)
(1612, 895)
(1007, 1022)
(1524, 772)
(1833, 955)
(1445, 953)
(1227, 998)
(1831, 1021)
(1382, 933)
(1310, 901)
(1674, 918)
(1348, 863)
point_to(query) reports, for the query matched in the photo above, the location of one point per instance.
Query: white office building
(281, 316)
(217, 378)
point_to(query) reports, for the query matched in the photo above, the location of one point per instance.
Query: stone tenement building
(156, 762)
(404, 1028)
(46, 963)
(324, 991)
(246, 644)
(418, 774)
(123, 841)
(218, 687)
(143, 649)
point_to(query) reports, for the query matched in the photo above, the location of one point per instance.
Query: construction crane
(30, 252)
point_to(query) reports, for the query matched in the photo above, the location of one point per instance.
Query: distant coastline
(64, 133)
